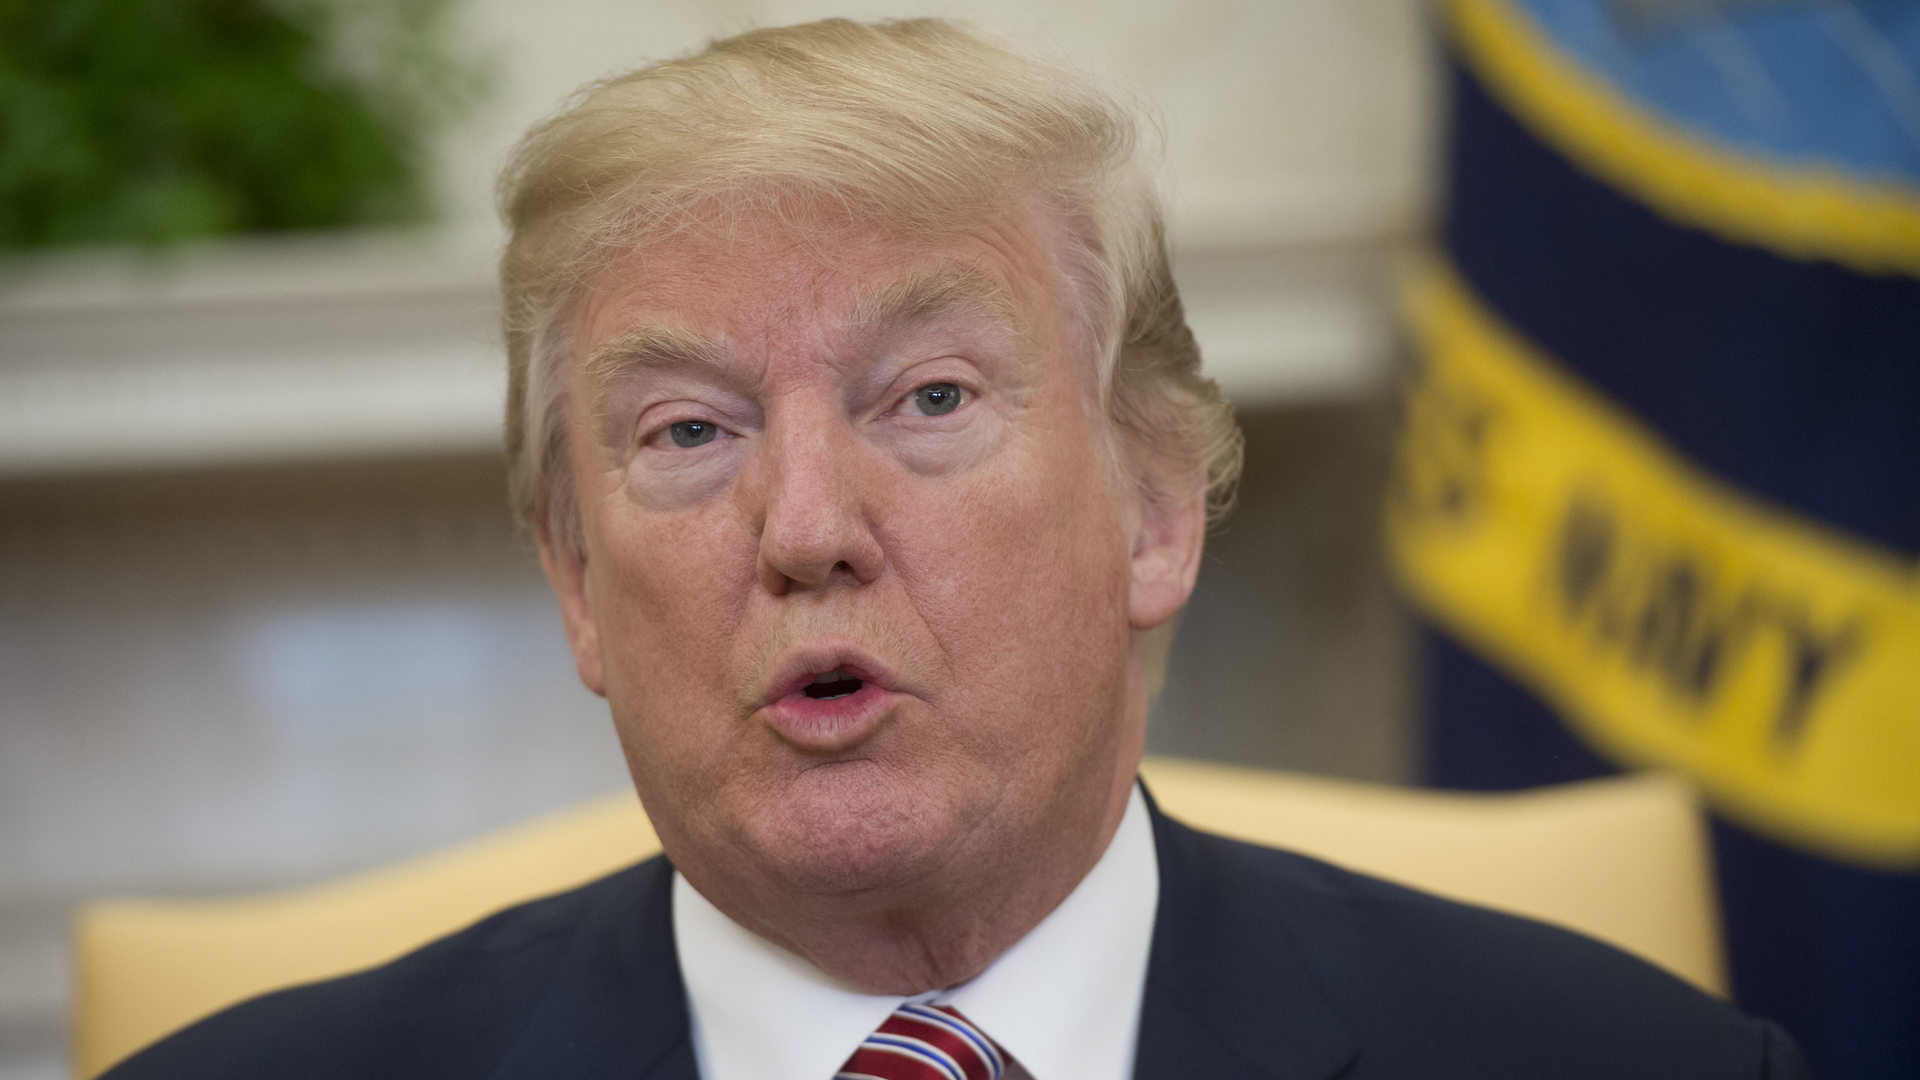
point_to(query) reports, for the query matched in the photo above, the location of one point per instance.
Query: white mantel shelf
(257, 354)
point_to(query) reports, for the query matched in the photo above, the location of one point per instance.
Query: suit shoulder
(448, 1009)
(1481, 992)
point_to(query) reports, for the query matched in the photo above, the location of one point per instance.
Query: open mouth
(830, 711)
(833, 684)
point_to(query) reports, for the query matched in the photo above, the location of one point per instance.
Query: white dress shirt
(1064, 1001)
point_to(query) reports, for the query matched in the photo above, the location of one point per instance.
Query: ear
(1166, 553)
(567, 572)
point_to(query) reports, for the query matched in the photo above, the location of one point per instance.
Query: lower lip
(829, 725)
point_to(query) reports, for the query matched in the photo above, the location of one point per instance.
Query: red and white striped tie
(925, 1042)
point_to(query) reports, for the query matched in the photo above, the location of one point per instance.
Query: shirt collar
(1064, 1000)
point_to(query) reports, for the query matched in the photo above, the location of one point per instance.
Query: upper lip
(799, 665)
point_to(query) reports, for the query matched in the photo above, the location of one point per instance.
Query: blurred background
(264, 617)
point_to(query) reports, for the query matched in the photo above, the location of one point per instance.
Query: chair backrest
(1622, 860)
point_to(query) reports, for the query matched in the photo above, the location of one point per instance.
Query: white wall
(1285, 119)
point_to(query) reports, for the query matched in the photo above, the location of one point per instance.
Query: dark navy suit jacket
(1264, 964)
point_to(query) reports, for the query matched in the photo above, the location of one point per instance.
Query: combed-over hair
(916, 125)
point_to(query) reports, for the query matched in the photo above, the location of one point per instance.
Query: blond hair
(917, 125)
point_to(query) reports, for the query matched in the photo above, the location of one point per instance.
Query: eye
(691, 433)
(937, 399)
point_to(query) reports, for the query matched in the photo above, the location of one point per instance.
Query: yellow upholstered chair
(1623, 860)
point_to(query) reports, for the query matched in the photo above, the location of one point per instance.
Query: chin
(850, 827)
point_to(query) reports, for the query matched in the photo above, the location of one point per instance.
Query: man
(869, 457)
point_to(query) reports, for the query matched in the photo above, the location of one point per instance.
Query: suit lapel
(1229, 989)
(616, 1007)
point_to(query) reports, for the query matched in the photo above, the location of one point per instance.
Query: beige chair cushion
(1623, 860)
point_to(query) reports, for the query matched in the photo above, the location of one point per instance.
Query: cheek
(1023, 576)
(670, 589)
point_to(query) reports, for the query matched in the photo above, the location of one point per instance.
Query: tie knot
(926, 1042)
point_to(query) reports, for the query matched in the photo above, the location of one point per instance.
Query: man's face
(860, 582)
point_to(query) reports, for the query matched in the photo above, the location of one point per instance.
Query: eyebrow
(650, 348)
(924, 297)
(917, 298)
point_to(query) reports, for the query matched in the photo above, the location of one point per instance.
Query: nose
(806, 477)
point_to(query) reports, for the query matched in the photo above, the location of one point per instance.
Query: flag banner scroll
(1672, 620)
(1657, 497)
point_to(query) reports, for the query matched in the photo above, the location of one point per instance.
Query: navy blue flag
(1658, 493)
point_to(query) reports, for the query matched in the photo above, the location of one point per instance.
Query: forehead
(768, 271)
